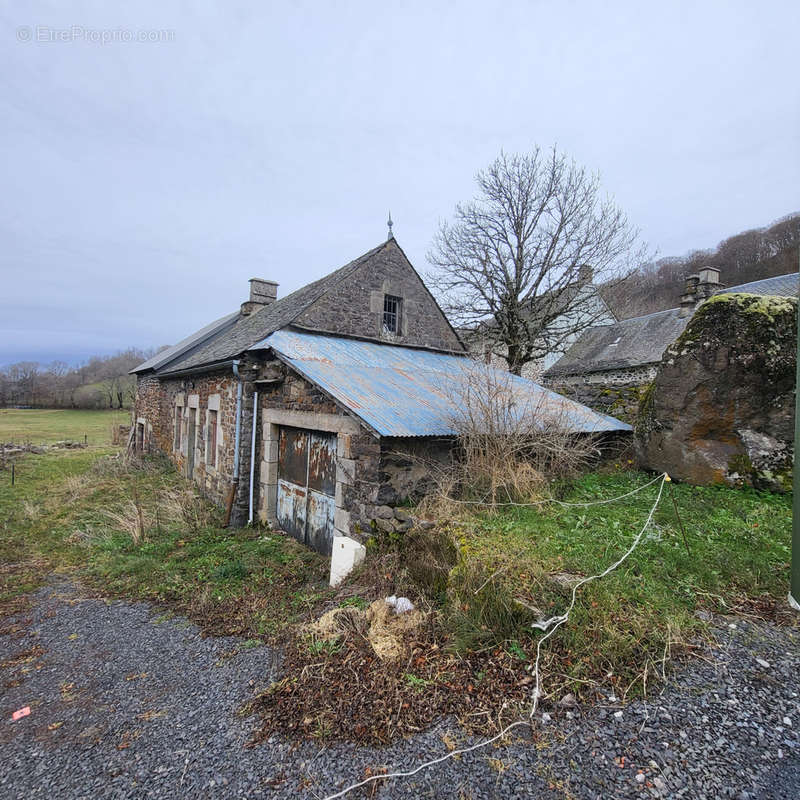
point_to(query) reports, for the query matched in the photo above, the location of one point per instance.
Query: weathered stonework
(160, 402)
(618, 400)
(721, 409)
(355, 306)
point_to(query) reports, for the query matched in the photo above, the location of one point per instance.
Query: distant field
(43, 426)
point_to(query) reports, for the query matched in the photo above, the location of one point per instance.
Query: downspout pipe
(238, 435)
(253, 455)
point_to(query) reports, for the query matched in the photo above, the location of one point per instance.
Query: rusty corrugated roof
(401, 391)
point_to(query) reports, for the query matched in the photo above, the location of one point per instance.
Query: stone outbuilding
(610, 366)
(316, 413)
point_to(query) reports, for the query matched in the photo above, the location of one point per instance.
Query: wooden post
(794, 586)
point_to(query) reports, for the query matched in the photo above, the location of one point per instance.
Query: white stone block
(347, 554)
(346, 471)
(341, 520)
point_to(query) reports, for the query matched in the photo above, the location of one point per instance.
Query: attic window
(391, 313)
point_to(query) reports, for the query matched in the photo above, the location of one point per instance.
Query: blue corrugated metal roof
(400, 391)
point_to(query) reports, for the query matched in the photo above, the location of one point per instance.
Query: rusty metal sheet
(306, 486)
(322, 463)
(405, 391)
(319, 523)
(292, 509)
(293, 455)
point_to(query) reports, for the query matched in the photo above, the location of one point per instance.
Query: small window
(391, 313)
(211, 439)
(176, 445)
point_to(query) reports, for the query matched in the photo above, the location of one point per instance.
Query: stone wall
(355, 306)
(721, 409)
(409, 467)
(618, 400)
(374, 476)
(161, 404)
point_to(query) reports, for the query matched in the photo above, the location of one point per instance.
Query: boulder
(721, 407)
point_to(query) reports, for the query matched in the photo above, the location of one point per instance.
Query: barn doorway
(307, 486)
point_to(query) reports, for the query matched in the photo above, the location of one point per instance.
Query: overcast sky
(143, 183)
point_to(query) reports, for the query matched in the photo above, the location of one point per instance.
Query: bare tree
(519, 259)
(512, 440)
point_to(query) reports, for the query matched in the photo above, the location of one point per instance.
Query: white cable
(558, 502)
(556, 623)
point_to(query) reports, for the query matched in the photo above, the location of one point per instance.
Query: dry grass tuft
(183, 506)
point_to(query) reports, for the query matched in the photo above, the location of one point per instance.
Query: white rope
(556, 622)
(486, 502)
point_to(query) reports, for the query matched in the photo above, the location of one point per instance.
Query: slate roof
(214, 344)
(628, 343)
(780, 285)
(642, 340)
(183, 346)
(402, 391)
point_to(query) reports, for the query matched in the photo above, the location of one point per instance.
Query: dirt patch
(348, 692)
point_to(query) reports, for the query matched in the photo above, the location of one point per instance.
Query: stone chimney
(698, 288)
(709, 283)
(262, 293)
(689, 296)
(585, 274)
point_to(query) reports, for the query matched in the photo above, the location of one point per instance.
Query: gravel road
(128, 703)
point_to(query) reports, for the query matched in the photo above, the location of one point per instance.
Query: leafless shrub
(514, 438)
(30, 510)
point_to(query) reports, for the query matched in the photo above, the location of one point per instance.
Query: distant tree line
(102, 382)
(748, 256)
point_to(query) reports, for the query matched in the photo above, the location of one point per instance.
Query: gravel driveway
(127, 703)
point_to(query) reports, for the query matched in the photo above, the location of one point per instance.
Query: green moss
(644, 417)
(771, 307)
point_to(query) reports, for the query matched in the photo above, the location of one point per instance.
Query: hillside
(748, 256)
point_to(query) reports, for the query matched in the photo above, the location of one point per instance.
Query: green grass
(141, 531)
(519, 565)
(44, 426)
(77, 510)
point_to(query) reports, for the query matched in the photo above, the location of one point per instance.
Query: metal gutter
(179, 373)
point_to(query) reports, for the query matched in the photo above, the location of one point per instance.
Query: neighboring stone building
(609, 366)
(312, 412)
(584, 308)
(721, 407)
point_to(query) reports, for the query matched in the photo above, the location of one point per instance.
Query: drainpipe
(253, 455)
(236, 438)
(238, 434)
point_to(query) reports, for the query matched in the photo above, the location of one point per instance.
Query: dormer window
(391, 313)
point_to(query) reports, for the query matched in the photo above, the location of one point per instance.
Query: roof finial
(390, 223)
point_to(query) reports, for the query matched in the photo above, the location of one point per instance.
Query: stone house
(316, 413)
(583, 307)
(608, 366)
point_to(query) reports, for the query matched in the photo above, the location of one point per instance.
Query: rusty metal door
(306, 486)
